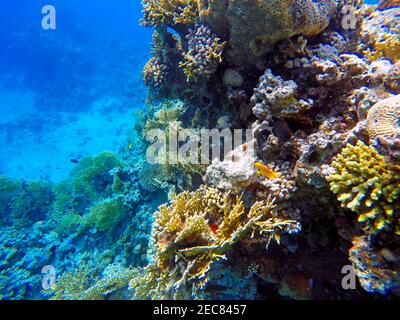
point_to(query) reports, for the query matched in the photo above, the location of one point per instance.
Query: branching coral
(368, 185)
(169, 12)
(32, 203)
(90, 181)
(85, 283)
(204, 55)
(197, 229)
(381, 32)
(155, 74)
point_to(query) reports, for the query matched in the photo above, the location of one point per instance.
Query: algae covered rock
(254, 26)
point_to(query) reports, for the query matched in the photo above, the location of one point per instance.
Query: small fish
(214, 228)
(74, 161)
(130, 146)
(265, 171)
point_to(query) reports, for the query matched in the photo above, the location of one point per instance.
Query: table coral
(368, 185)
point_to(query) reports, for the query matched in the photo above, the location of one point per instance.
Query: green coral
(368, 185)
(32, 203)
(90, 181)
(104, 216)
(9, 188)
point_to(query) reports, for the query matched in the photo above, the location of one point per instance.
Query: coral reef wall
(313, 189)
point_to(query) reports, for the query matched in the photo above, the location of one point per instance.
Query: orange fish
(265, 171)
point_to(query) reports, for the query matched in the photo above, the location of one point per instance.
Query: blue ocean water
(69, 92)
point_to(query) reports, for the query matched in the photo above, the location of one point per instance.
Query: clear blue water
(57, 86)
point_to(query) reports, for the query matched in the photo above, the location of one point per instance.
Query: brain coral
(253, 26)
(383, 119)
(232, 78)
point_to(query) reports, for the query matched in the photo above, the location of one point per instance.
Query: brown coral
(383, 119)
(254, 26)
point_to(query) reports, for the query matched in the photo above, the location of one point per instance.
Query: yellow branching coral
(197, 229)
(369, 185)
(169, 12)
(388, 47)
(85, 283)
(382, 29)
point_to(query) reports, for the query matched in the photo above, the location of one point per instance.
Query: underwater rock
(385, 4)
(236, 172)
(275, 97)
(375, 273)
(253, 27)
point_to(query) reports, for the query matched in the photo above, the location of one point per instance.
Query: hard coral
(381, 35)
(197, 229)
(204, 55)
(275, 97)
(376, 274)
(155, 74)
(385, 4)
(169, 12)
(383, 119)
(253, 27)
(368, 185)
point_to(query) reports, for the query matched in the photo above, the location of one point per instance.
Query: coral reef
(173, 13)
(275, 97)
(205, 51)
(377, 270)
(316, 187)
(381, 33)
(383, 119)
(196, 230)
(253, 27)
(385, 4)
(368, 185)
